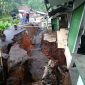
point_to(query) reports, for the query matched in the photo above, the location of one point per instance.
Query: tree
(7, 5)
(37, 5)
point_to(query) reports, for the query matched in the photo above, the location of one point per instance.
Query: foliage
(37, 5)
(4, 25)
(8, 18)
(5, 18)
(6, 6)
(15, 22)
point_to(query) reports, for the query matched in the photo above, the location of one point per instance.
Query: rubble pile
(19, 64)
(52, 52)
(19, 74)
(57, 66)
(24, 65)
(26, 43)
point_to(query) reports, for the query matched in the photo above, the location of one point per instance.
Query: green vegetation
(5, 18)
(6, 6)
(6, 22)
(4, 25)
(37, 5)
(15, 22)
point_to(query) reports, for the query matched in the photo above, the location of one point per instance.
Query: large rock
(16, 55)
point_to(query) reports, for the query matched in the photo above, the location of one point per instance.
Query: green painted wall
(75, 26)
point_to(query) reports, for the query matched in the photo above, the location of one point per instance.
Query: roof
(58, 6)
(24, 8)
(41, 12)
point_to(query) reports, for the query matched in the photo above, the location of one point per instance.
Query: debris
(52, 52)
(57, 67)
(31, 31)
(20, 74)
(26, 43)
(48, 77)
(16, 55)
(55, 76)
(39, 61)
